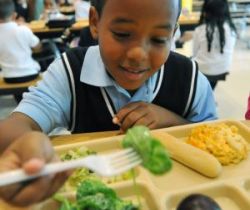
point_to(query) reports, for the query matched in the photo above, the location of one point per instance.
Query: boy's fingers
(136, 117)
(39, 150)
(116, 121)
(38, 146)
(57, 182)
(26, 193)
(126, 110)
(29, 193)
(33, 165)
(30, 152)
(47, 186)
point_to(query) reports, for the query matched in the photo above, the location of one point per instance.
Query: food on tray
(220, 140)
(198, 202)
(94, 195)
(154, 155)
(188, 155)
(81, 174)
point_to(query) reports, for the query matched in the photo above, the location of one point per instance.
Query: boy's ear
(93, 22)
(177, 26)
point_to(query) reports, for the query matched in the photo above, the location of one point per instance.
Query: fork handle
(20, 175)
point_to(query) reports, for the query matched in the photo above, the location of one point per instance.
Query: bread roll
(189, 155)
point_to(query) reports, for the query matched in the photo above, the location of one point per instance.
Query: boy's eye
(160, 40)
(120, 34)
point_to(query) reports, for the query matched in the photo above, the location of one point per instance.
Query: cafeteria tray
(231, 189)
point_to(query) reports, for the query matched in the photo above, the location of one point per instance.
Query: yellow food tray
(231, 189)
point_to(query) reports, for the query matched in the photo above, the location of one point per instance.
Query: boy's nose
(137, 54)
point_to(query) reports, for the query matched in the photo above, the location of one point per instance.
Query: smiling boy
(131, 78)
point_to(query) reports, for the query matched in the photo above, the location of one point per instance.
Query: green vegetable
(154, 155)
(76, 153)
(81, 174)
(94, 195)
(65, 203)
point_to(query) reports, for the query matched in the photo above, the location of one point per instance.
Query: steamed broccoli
(154, 155)
(94, 195)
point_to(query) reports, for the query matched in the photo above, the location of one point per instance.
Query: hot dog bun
(189, 155)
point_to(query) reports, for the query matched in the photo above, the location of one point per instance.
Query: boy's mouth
(134, 70)
(133, 74)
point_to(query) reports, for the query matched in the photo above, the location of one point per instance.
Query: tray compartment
(124, 190)
(182, 177)
(181, 132)
(246, 185)
(104, 146)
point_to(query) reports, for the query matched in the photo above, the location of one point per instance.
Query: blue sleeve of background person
(49, 103)
(204, 107)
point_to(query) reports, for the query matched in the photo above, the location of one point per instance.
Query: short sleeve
(30, 38)
(48, 104)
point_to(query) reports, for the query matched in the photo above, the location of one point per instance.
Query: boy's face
(135, 38)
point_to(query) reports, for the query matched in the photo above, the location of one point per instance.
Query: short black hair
(98, 4)
(7, 8)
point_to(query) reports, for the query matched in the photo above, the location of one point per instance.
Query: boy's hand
(31, 151)
(150, 115)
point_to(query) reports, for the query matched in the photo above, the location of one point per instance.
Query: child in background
(82, 9)
(16, 43)
(247, 115)
(50, 9)
(21, 8)
(131, 78)
(214, 40)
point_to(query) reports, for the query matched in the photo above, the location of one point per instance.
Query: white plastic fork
(104, 165)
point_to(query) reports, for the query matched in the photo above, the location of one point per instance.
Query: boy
(130, 78)
(15, 47)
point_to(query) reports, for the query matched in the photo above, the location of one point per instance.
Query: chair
(86, 38)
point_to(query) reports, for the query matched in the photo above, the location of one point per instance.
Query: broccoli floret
(92, 187)
(65, 203)
(154, 155)
(94, 195)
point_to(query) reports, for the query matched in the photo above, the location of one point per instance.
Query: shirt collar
(93, 70)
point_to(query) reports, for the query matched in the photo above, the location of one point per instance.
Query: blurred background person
(21, 8)
(214, 40)
(82, 9)
(16, 43)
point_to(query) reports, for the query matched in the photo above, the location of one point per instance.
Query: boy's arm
(141, 113)
(150, 115)
(31, 151)
(14, 126)
(37, 48)
(22, 145)
(28, 149)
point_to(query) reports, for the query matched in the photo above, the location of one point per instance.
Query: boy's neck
(131, 92)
